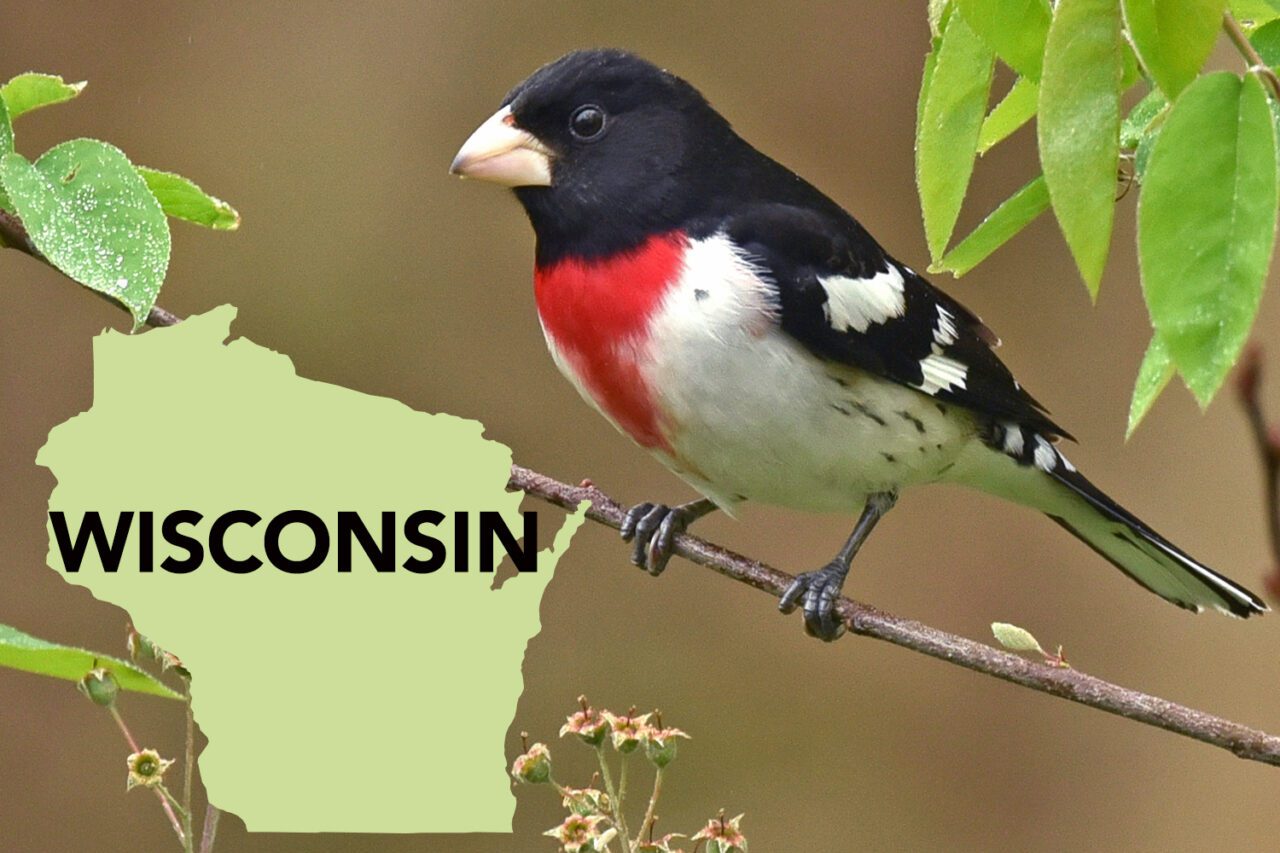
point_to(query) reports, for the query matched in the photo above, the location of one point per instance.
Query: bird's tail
(1029, 470)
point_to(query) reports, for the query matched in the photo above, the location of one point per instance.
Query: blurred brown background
(331, 129)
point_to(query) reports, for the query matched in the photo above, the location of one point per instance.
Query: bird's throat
(596, 315)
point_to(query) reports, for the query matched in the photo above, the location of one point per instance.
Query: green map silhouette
(342, 702)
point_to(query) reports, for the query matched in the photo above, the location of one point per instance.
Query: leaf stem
(622, 787)
(646, 825)
(211, 815)
(1245, 49)
(615, 801)
(160, 793)
(173, 818)
(188, 772)
(124, 730)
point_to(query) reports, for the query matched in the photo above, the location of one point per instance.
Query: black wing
(922, 338)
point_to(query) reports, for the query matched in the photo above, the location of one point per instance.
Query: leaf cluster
(1200, 149)
(90, 212)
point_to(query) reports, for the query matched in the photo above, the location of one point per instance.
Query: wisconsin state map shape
(353, 702)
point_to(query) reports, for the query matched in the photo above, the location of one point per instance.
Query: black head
(606, 148)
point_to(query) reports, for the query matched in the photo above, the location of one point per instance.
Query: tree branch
(1245, 742)
(1267, 440)
(863, 619)
(1246, 50)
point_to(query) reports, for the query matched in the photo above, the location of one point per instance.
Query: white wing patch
(1046, 459)
(1013, 439)
(941, 373)
(859, 303)
(945, 334)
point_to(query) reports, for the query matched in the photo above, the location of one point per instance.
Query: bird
(746, 330)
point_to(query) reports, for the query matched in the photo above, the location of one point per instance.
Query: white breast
(753, 415)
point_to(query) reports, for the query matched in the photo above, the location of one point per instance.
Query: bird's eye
(587, 122)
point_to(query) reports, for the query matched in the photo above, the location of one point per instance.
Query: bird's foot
(818, 592)
(652, 530)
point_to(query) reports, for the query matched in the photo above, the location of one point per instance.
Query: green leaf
(1206, 225)
(1142, 154)
(938, 10)
(1014, 29)
(182, 199)
(947, 134)
(1014, 214)
(1130, 73)
(30, 91)
(1015, 110)
(1014, 638)
(943, 9)
(1253, 13)
(1154, 374)
(1135, 124)
(1275, 116)
(6, 146)
(1266, 40)
(1079, 127)
(30, 654)
(90, 213)
(6, 130)
(1173, 37)
(1141, 128)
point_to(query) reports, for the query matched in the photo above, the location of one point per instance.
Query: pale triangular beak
(500, 152)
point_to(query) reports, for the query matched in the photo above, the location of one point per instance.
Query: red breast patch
(597, 314)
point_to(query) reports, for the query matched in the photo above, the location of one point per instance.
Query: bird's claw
(818, 592)
(653, 528)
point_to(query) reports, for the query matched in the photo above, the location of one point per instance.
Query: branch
(211, 815)
(1245, 742)
(13, 235)
(1267, 439)
(1246, 50)
(863, 619)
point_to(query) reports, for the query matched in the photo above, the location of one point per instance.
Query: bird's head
(601, 147)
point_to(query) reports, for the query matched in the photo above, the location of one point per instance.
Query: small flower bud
(533, 766)
(660, 745)
(586, 801)
(723, 836)
(628, 731)
(581, 833)
(146, 769)
(586, 723)
(140, 648)
(100, 686)
(660, 845)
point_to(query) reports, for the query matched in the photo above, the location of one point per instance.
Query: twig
(1267, 439)
(13, 235)
(173, 818)
(133, 746)
(124, 730)
(188, 774)
(863, 619)
(615, 801)
(211, 815)
(646, 825)
(1245, 49)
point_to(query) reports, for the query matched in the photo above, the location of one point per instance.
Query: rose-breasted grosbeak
(741, 326)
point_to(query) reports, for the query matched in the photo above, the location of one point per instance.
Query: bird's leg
(820, 589)
(654, 528)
